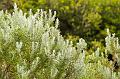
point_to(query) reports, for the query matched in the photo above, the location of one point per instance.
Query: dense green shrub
(31, 47)
(85, 18)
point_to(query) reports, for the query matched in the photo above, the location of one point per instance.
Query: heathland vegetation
(59, 39)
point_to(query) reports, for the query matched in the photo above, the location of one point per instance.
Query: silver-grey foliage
(31, 47)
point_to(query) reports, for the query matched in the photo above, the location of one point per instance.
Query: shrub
(31, 47)
(85, 18)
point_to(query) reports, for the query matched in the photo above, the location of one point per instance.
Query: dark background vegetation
(86, 19)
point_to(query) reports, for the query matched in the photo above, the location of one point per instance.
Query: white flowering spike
(82, 44)
(57, 23)
(19, 46)
(15, 7)
(97, 52)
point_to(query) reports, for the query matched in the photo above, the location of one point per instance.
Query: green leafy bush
(31, 47)
(85, 18)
